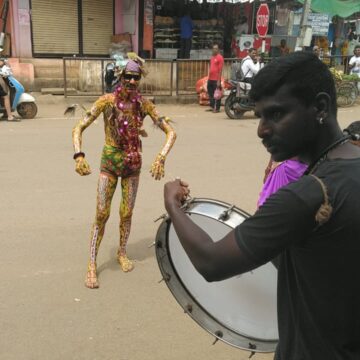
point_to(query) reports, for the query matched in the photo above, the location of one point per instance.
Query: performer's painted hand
(158, 167)
(82, 167)
(175, 193)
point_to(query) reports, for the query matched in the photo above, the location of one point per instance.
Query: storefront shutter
(98, 25)
(55, 27)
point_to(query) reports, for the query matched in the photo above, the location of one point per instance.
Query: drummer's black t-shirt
(319, 268)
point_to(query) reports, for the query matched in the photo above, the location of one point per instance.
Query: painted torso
(123, 120)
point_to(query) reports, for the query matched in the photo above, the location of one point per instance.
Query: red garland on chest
(129, 119)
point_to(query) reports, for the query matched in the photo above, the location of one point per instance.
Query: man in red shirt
(214, 81)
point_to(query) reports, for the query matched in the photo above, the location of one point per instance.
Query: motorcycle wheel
(229, 108)
(27, 110)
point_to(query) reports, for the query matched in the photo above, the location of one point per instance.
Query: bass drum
(240, 311)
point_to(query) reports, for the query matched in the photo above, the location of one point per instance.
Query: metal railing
(188, 72)
(159, 80)
(337, 61)
(84, 76)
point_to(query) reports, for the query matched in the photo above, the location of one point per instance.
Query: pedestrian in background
(186, 29)
(283, 48)
(316, 51)
(214, 79)
(354, 64)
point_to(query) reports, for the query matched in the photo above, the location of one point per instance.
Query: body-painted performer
(124, 112)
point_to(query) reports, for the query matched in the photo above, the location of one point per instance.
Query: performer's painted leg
(129, 188)
(105, 192)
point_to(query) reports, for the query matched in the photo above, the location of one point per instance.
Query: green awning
(343, 8)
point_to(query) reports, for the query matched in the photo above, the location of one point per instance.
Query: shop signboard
(262, 20)
(319, 23)
(245, 42)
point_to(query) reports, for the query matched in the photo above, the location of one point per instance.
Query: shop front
(212, 22)
(230, 23)
(71, 27)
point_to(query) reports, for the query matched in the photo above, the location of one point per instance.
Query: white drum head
(245, 303)
(241, 311)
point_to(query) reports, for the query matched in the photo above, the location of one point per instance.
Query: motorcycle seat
(244, 86)
(241, 85)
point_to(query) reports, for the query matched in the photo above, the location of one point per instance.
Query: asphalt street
(47, 209)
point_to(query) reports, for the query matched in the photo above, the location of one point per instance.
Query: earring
(321, 121)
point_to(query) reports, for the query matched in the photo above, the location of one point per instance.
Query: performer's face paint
(131, 80)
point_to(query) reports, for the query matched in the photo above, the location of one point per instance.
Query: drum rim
(182, 294)
(221, 203)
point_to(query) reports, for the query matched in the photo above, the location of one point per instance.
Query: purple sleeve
(286, 173)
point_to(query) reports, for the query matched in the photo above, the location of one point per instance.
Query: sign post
(262, 23)
(262, 20)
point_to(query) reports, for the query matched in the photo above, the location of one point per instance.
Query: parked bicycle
(346, 88)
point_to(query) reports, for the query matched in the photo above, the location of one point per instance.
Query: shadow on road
(138, 251)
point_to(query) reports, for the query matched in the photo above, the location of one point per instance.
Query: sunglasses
(131, 76)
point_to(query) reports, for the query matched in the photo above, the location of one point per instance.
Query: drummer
(311, 223)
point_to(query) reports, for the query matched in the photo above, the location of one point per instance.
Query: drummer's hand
(175, 193)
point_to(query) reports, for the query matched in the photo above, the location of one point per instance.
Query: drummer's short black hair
(306, 75)
(353, 128)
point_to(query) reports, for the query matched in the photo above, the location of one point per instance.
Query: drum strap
(324, 213)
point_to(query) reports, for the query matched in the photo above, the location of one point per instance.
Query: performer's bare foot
(91, 280)
(125, 264)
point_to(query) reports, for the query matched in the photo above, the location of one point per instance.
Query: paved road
(46, 212)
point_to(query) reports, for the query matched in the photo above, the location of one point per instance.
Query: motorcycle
(111, 80)
(238, 101)
(20, 101)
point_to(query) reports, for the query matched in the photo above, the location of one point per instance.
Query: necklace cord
(324, 154)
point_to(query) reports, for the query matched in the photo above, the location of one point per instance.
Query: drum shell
(191, 306)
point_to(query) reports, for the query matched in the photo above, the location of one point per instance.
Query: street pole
(303, 23)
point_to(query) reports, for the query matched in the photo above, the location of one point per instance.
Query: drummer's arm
(215, 261)
(284, 220)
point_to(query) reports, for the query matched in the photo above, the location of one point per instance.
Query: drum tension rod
(166, 278)
(162, 217)
(186, 204)
(188, 309)
(226, 213)
(252, 347)
(218, 335)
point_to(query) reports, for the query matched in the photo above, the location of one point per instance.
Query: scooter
(238, 101)
(20, 101)
(110, 78)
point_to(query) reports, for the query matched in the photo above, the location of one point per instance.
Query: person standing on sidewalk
(186, 27)
(214, 80)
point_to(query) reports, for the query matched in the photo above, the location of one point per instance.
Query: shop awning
(343, 8)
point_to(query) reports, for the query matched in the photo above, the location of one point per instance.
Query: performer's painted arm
(157, 168)
(82, 167)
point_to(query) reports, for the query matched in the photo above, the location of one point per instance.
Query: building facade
(53, 29)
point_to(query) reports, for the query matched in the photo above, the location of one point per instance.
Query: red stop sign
(262, 20)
